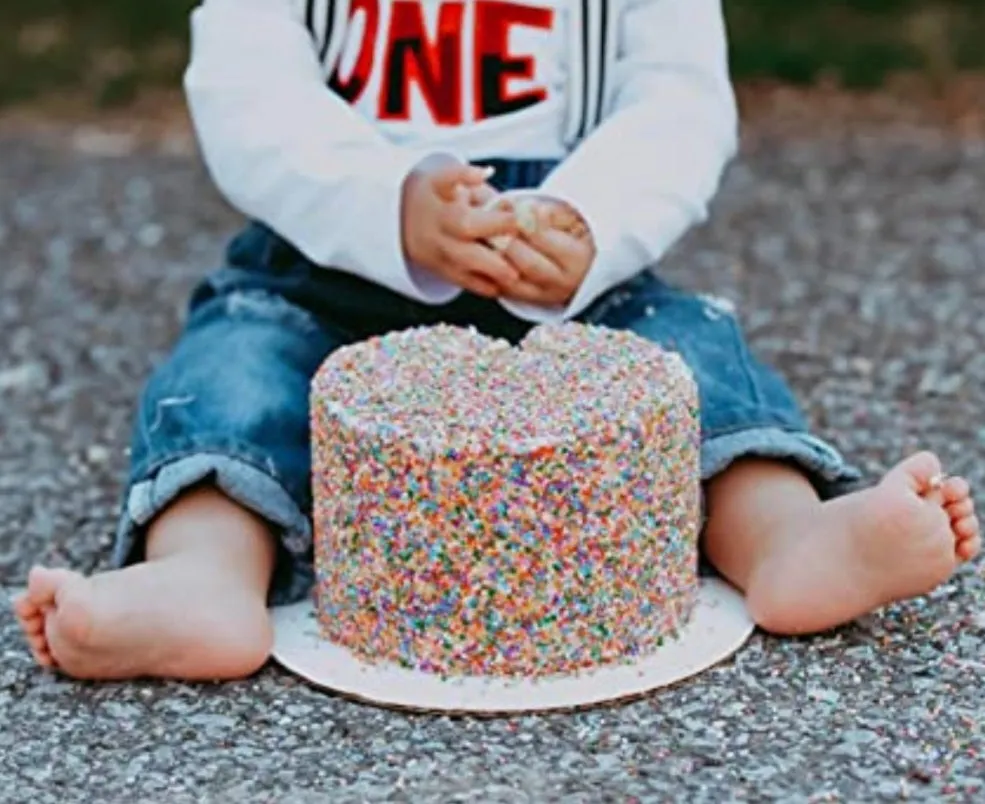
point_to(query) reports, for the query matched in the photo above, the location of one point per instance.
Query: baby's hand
(445, 233)
(563, 217)
(552, 252)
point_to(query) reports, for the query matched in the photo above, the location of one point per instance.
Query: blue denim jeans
(229, 407)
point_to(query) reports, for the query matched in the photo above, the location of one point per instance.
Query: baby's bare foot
(897, 540)
(172, 618)
(914, 529)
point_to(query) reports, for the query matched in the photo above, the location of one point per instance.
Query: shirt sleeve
(647, 174)
(287, 151)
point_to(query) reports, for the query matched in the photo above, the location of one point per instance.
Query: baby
(370, 168)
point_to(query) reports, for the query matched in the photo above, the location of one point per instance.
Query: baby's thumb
(447, 179)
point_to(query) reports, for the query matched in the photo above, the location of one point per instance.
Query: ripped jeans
(229, 407)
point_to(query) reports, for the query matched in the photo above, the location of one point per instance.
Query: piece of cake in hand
(536, 211)
(484, 510)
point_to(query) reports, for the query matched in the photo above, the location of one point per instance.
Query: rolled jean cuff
(823, 465)
(243, 483)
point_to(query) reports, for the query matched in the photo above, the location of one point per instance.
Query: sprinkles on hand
(482, 510)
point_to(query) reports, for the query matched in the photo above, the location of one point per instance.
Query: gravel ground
(858, 263)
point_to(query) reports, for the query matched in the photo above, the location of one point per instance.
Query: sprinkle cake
(488, 510)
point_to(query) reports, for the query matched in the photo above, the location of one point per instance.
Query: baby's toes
(969, 547)
(955, 490)
(967, 528)
(967, 534)
(38, 645)
(32, 625)
(962, 509)
(25, 608)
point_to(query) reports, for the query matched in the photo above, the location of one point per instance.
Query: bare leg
(807, 566)
(195, 609)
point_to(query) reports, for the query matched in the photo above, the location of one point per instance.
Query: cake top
(448, 387)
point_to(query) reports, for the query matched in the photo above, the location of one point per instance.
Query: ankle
(180, 525)
(205, 527)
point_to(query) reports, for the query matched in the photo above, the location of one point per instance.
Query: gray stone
(856, 265)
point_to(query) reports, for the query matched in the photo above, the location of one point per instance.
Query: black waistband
(518, 174)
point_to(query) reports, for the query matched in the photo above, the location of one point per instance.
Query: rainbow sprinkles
(488, 511)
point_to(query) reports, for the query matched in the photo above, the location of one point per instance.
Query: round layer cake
(486, 510)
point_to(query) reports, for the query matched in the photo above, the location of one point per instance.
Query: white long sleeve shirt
(310, 114)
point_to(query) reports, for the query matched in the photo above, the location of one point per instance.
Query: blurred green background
(107, 50)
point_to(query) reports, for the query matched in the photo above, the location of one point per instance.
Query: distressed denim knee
(229, 408)
(747, 409)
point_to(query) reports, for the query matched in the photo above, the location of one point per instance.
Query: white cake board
(719, 626)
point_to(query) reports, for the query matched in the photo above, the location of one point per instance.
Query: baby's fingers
(480, 286)
(483, 195)
(446, 180)
(534, 266)
(523, 291)
(472, 223)
(558, 246)
(474, 259)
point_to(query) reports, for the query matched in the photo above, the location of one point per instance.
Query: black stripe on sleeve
(586, 17)
(603, 57)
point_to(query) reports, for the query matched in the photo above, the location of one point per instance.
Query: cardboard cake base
(719, 626)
